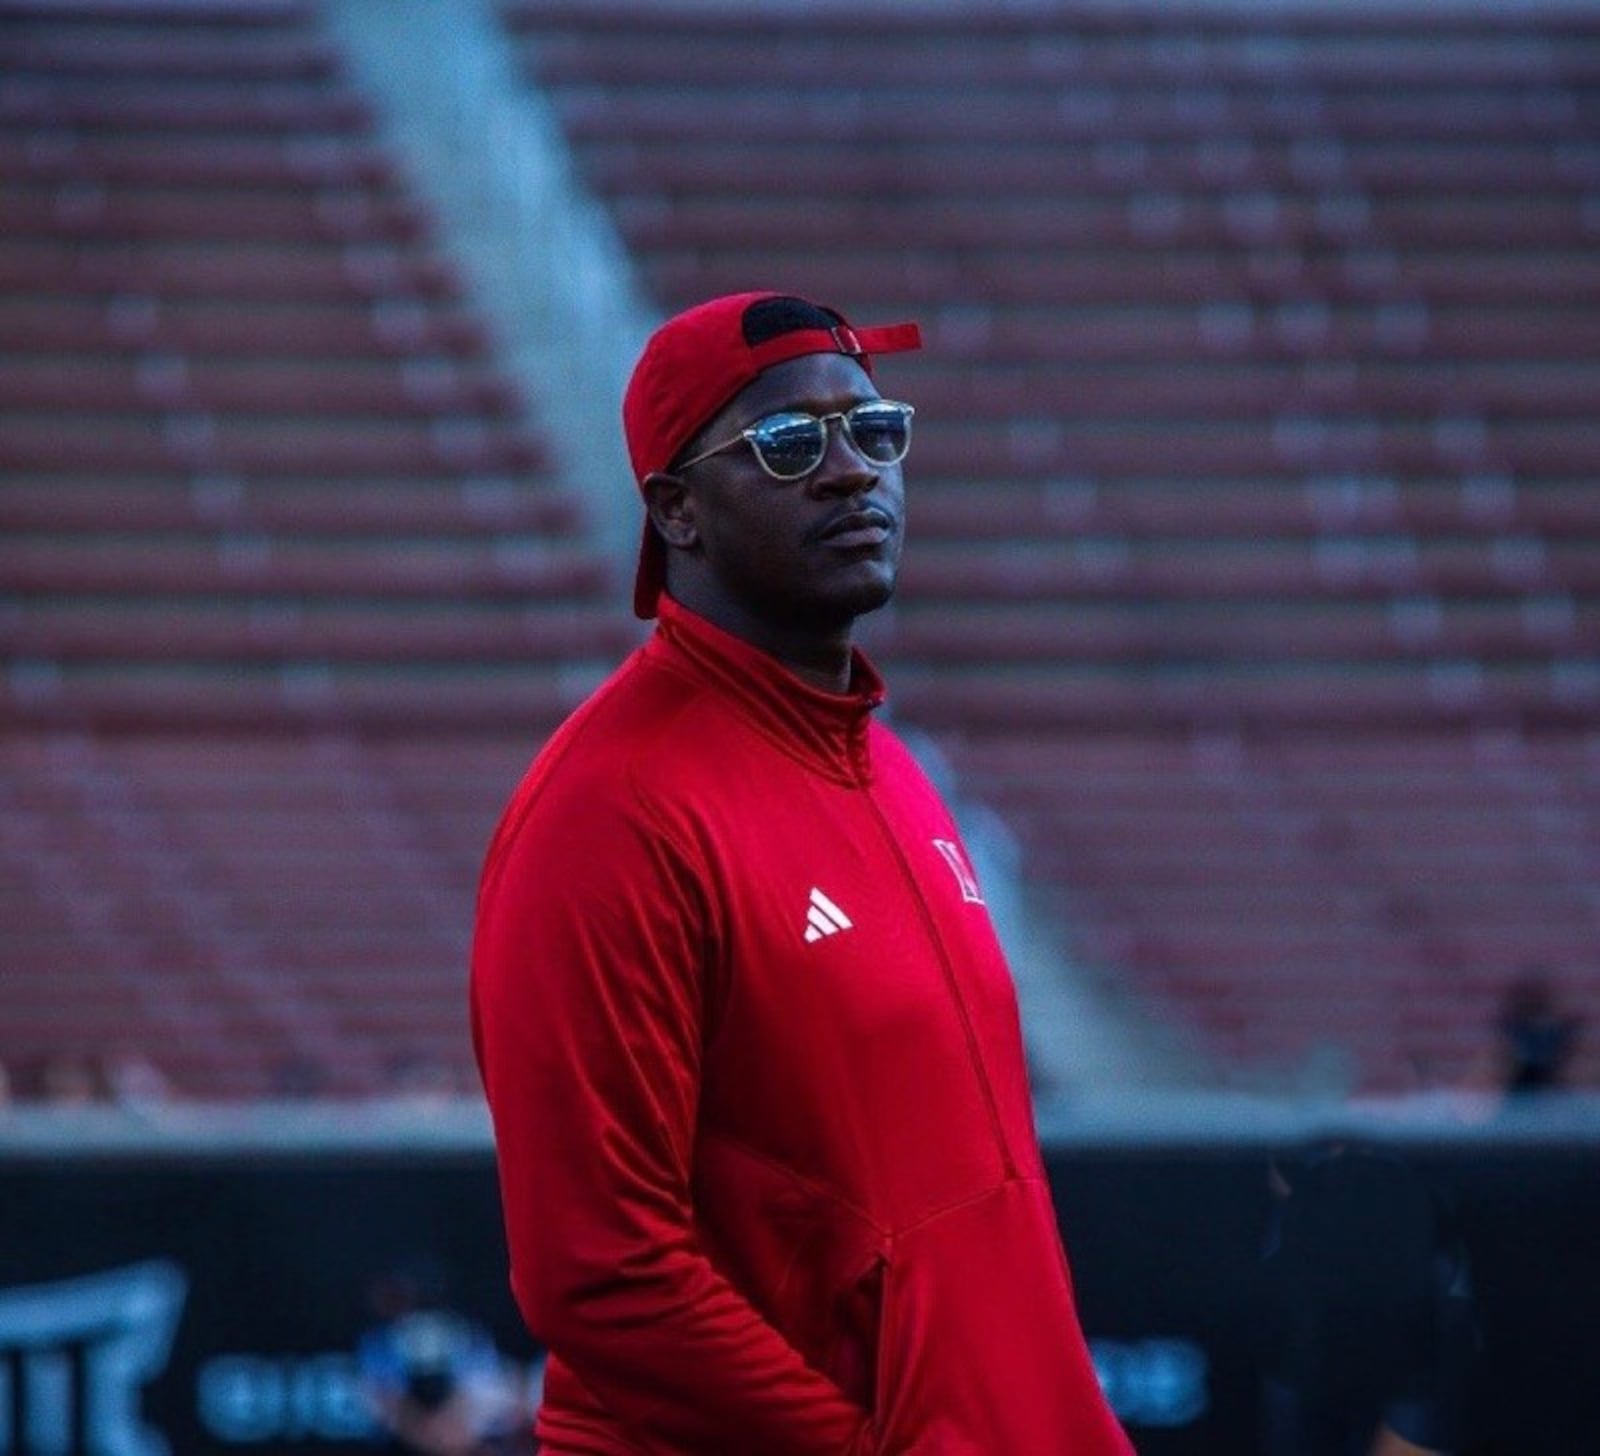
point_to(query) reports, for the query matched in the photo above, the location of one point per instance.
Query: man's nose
(844, 469)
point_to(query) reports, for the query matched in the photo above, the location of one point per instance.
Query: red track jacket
(770, 1175)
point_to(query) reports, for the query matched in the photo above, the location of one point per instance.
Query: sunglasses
(792, 444)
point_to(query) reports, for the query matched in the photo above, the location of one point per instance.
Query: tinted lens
(881, 430)
(790, 444)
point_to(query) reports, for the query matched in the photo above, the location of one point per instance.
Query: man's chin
(825, 606)
(851, 599)
(876, 599)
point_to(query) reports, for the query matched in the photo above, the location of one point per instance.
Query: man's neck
(820, 657)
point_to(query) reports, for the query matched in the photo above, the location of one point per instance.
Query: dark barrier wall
(1165, 1244)
(214, 1303)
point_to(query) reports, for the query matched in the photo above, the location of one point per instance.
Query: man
(432, 1378)
(1368, 1328)
(770, 1175)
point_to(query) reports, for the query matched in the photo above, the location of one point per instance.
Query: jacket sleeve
(590, 966)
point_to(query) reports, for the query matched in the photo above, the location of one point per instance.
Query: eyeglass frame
(747, 436)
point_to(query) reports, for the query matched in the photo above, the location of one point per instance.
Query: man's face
(819, 551)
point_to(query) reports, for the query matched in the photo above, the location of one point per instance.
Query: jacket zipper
(932, 929)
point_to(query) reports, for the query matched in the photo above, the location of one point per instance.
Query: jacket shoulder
(896, 761)
(616, 759)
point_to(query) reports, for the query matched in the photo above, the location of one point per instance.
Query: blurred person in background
(71, 1077)
(433, 1378)
(419, 1079)
(132, 1080)
(68, 1078)
(1367, 1323)
(767, 1156)
(1537, 1039)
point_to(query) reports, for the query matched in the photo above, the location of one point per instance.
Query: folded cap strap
(890, 338)
(841, 339)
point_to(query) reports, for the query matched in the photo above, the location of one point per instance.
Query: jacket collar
(826, 731)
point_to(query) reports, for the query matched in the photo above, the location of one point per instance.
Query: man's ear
(671, 507)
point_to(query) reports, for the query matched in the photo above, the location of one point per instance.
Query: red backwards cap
(697, 361)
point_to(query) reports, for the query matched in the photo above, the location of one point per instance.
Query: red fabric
(764, 1193)
(691, 367)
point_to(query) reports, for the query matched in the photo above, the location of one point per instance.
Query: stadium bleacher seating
(1252, 572)
(288, 589)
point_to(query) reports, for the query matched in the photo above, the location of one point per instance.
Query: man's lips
(866, 526)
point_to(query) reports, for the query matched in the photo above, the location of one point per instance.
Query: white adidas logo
(824, 918)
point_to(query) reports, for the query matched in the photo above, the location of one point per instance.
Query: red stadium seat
(1253, 533)
(268, 510)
